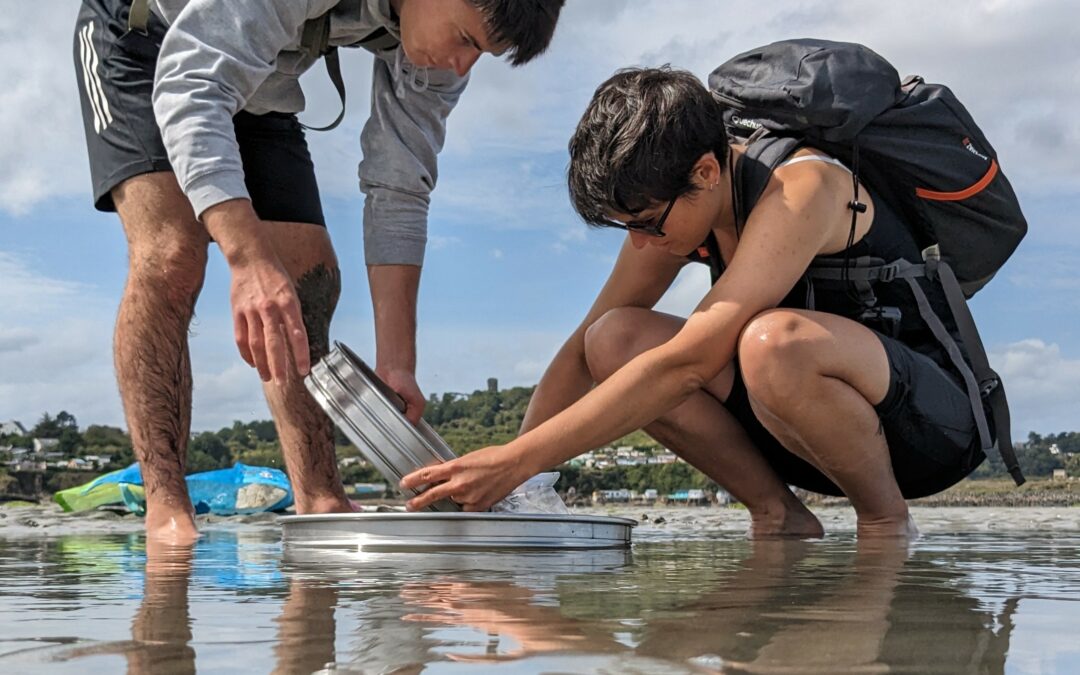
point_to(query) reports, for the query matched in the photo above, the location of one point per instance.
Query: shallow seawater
(683, 600)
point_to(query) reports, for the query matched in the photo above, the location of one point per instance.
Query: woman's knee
(776, 352)
(616, 338)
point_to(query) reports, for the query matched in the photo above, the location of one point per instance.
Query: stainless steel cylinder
(370, 415)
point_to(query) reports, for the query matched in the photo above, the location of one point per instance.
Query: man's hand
(267, 321)
(404, 383)
(475, 481)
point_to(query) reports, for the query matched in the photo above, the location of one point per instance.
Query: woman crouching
(754, 389)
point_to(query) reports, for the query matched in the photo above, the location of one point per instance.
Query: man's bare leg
(813, 379)
(167, 250)
(306, 433)
(701, 430)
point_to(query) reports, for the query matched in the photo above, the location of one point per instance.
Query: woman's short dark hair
(525, 26)
(639, 139)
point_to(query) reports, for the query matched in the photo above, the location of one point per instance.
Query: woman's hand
(475, 481)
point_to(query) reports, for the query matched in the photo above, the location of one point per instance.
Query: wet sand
(673, 521)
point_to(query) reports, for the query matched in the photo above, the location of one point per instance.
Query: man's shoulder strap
(315, 42)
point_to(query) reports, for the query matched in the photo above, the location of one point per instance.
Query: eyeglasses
(643, 226)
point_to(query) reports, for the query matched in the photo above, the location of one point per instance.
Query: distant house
(611, 495)
(1060, 474)
(44, 444)
(12, 428)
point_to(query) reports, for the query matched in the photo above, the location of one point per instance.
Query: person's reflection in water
(792, 605)
(504, 611)
(161, 629)
(306, 627)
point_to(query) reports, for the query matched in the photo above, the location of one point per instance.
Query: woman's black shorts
(115, 70)
(926, 417)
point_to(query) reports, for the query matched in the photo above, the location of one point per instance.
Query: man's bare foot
(171, 525)
(901, 526)
(792, 520)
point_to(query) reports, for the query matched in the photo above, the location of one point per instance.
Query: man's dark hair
(524, 26)
(639, 139)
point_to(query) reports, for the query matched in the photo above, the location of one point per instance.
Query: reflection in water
(161, 629)
(516, 624)
(233, 602)
(306, 630)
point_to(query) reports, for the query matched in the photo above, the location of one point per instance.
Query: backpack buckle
(888, 272)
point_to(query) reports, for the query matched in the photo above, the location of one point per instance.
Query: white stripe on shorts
(92, 82)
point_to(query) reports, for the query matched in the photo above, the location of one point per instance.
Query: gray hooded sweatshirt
(223, 56)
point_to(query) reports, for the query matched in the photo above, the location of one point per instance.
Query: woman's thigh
(625, 332)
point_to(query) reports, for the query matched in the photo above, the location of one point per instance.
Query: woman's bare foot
(901, 526)
(790, 520)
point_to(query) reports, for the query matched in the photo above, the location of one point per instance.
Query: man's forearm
(394, 291)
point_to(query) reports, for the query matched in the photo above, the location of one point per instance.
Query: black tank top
(888, 239)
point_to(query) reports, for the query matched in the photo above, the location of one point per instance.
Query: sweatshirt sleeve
(213, 58)
(401, 142)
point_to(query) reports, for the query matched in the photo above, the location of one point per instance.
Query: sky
(510, 269)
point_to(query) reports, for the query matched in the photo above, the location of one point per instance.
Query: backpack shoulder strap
(764, 153)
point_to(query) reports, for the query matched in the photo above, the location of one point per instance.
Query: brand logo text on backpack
(971, 148)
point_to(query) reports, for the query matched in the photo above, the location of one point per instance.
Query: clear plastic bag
(536, 495)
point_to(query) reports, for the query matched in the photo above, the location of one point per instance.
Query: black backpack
(920, 150)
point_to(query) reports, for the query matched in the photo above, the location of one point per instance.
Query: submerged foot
(326, 505)
(171, 525)
(901, 526)
(792, 521)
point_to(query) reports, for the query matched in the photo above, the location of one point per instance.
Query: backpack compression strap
(979, 379)
(139, 16)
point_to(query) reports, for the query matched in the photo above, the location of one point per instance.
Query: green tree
(47, 427)
(212, 448)
(1072, 464)
(71, 441)
(97, 435)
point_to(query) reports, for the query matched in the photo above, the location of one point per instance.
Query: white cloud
(1014, 64)
(1043, 386)
(25, 293)
(42, 154)
(220, 397)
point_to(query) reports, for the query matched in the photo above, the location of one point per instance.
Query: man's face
(443, 34)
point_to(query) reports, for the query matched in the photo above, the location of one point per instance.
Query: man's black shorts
(926, 417)
(115, 71)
